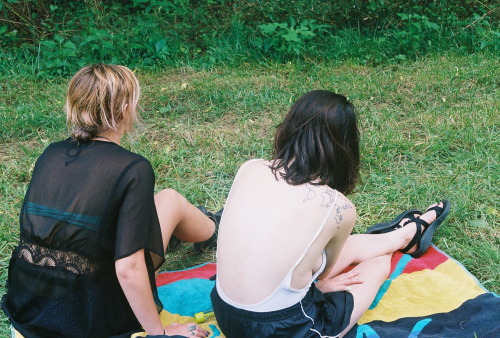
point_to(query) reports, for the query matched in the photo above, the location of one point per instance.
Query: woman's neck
(110, 136)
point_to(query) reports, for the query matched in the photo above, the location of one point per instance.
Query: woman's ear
(126, 112)
(127, 118)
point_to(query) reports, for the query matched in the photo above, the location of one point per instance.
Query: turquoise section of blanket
(187, 297)
(186, 292)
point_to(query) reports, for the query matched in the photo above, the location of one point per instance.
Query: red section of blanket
(430, 260)
(203, 271)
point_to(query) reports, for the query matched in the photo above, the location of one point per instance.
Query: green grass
(430, 130)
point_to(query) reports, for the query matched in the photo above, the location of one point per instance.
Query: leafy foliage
(287, 38)
(57, 37)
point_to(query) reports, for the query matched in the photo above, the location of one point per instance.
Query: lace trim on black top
(67, 260)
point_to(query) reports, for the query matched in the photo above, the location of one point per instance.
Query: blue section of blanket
(477, 317)
(187, 297)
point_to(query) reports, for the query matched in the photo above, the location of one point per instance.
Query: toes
(430, 215)
(408, 220)
(440, 204)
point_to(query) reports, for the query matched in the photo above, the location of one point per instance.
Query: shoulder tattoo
(327, 195)
(311, 194)
(338, 210)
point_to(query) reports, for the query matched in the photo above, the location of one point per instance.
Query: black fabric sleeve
(138, 226)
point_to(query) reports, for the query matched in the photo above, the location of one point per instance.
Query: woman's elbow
(129, 267)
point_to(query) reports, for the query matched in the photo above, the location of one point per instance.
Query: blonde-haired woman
(92, 232)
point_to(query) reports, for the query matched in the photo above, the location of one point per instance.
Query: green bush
(57, 37)
(287, 39)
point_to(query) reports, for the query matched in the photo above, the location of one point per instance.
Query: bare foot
(408, 220)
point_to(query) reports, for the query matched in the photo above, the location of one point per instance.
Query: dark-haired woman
(287, 223)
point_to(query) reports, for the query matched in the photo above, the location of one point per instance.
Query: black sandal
(381, 228)
(173, 244)
(424, 239)
(201, 247)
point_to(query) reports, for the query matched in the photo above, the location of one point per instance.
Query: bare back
(268, 225)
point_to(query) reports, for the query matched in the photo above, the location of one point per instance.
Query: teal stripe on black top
(84, 221)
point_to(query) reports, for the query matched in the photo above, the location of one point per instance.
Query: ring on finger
(192, 327)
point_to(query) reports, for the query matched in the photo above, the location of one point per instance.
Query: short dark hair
(318, 142)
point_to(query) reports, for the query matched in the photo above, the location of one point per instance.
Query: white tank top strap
(322, 267)
(325, 219)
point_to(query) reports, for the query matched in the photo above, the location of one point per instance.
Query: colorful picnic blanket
(432, 296)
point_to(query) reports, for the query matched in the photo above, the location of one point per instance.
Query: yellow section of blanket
(167, 318)
(425, 292)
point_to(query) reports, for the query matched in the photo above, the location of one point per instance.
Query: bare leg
(374, 272)
(359, 248)
(181, 218)
(373, 255)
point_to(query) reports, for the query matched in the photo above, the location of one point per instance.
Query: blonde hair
(99, 98)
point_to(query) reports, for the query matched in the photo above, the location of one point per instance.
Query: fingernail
(348, 288)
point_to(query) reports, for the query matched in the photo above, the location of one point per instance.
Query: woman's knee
(169, 197)
(381, 264)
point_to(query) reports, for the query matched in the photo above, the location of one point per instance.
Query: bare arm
(133, 277)
(341, 223)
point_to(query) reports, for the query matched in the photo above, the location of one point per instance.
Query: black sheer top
(87, 205)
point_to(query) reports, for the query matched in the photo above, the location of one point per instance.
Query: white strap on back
(318, 231)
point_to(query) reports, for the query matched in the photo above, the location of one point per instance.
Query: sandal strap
(418, 235)
(421, 221)
(414, 240)
(411, 218)
(388, 229)
(439, 210)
